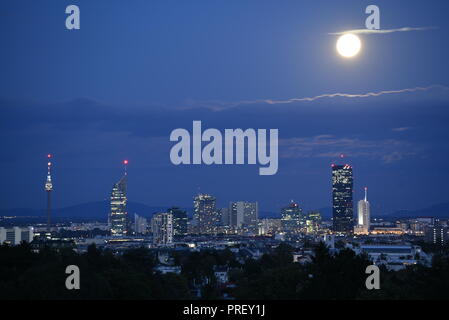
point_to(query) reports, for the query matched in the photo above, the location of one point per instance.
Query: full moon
(348, 45)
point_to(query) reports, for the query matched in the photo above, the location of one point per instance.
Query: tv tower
(48, 189)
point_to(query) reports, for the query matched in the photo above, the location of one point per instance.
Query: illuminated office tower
(179, 221)
(236, 214)
(49, 189)
(206, 214)
(242, 213)
(364, 214)
(118, 218)
(342, 206)
(162, 228)
(251, 214)
(291, 216)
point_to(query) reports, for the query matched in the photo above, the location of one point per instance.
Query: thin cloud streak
(401, 129)
(383, 31)
(349, 95)
(218, 106)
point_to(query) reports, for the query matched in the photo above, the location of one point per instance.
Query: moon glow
(349, 45)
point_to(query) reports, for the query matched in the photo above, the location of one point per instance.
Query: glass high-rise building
(118, 218)
(206, 214)
(243, 214)
(342, 205)
(291, 217)
(179, 221)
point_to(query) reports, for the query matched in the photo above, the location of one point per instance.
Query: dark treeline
(28, 275)
(25, 274)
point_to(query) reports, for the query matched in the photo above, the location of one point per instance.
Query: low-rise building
(394, 257)
(15, 235)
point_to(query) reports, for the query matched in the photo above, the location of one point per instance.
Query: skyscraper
(162, 228)
(251, 214)
(364, 214)
(118, 217)
(179, 221)
(342, 206)
(242, 213)
(206, 214)
(48, 189)
(236, 214)
(291, 216)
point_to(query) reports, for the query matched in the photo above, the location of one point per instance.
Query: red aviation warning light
(125, 163)
(49, 156)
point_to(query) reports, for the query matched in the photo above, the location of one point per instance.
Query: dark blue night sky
(136, 70)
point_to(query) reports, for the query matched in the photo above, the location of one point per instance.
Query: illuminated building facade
(342, 205)
(206, 214)
(313, 221)
(162, 228)
(436, 234)
(291, 217)
(118, 218)
(363, 211)
(269, 226)
(15, 235)
(243, 214)
(251, 214)
(179, 221)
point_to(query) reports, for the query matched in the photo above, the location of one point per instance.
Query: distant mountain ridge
(93, 210)
(440, 210)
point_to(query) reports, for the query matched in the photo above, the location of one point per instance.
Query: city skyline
(237, 214)
(174, 205)
(276, 67)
